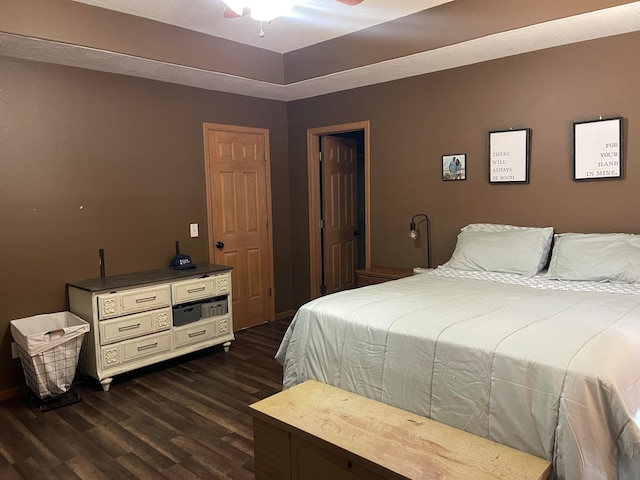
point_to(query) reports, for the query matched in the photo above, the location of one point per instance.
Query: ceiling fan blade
(230, 13)
(351, 3)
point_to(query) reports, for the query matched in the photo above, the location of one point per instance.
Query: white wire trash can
(50, 350)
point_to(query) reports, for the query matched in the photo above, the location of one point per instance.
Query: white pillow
(599, 257)
(546, 236)
(507, 251)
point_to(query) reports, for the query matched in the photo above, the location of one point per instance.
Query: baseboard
(285, 314)
(13, 393)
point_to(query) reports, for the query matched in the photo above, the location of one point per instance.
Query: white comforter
(552, 372)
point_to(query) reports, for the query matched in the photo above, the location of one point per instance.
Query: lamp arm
(428, 222)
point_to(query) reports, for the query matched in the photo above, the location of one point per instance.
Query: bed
(543, 360)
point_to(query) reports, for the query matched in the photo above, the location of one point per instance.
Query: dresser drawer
(131, 301)
(190, 290)
(135, 325)
(145, 346)
(130, 350)
(195, 332)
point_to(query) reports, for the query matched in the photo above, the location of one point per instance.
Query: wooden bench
(315, 431)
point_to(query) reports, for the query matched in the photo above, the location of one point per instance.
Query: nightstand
(373, 275)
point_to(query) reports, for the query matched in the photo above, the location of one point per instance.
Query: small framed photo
(454, 167)
(597, 149)
(509, 152)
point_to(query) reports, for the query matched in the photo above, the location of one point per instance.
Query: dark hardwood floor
(186, 419)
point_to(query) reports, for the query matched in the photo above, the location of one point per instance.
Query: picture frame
(454, 167)
(509, 152)
(597, 149)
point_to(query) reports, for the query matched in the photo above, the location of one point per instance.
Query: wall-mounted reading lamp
(413, 235)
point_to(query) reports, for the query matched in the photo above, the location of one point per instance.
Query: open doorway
(335, 253)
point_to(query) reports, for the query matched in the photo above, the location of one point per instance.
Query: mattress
(551, 368)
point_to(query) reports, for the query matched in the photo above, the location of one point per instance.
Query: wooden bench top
(401, 442)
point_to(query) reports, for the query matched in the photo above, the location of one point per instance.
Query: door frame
(210, 196)
(313, 179)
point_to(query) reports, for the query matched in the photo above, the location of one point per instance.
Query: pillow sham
(546, 236)
(506, 251)
(599, 257)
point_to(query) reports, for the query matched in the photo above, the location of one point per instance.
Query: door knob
(219, 245)
(356, 233)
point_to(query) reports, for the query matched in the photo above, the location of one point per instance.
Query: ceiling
(324, 47)
(310, 22)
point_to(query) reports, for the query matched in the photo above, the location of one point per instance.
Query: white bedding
(541, 368)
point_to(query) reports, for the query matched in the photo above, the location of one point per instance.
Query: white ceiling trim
(603, 23)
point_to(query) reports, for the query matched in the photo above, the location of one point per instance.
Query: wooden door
(314, 174)
(239, 208)
(339, 200)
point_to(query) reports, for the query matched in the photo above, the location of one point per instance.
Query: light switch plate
(193, 229)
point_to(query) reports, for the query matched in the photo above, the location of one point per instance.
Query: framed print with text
(454, 167)
(509, 156)
(597, 149)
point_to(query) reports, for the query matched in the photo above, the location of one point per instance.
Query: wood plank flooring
(186, 419)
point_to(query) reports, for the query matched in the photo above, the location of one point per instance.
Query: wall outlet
(193, 230)
(14, 350)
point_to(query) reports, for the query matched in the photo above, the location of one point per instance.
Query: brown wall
(129, 151)
(417, 120)
(92, 160)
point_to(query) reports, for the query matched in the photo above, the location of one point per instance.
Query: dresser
(143, 318)
(373, 275)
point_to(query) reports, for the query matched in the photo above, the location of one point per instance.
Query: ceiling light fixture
(264, 11)
(261, 10)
